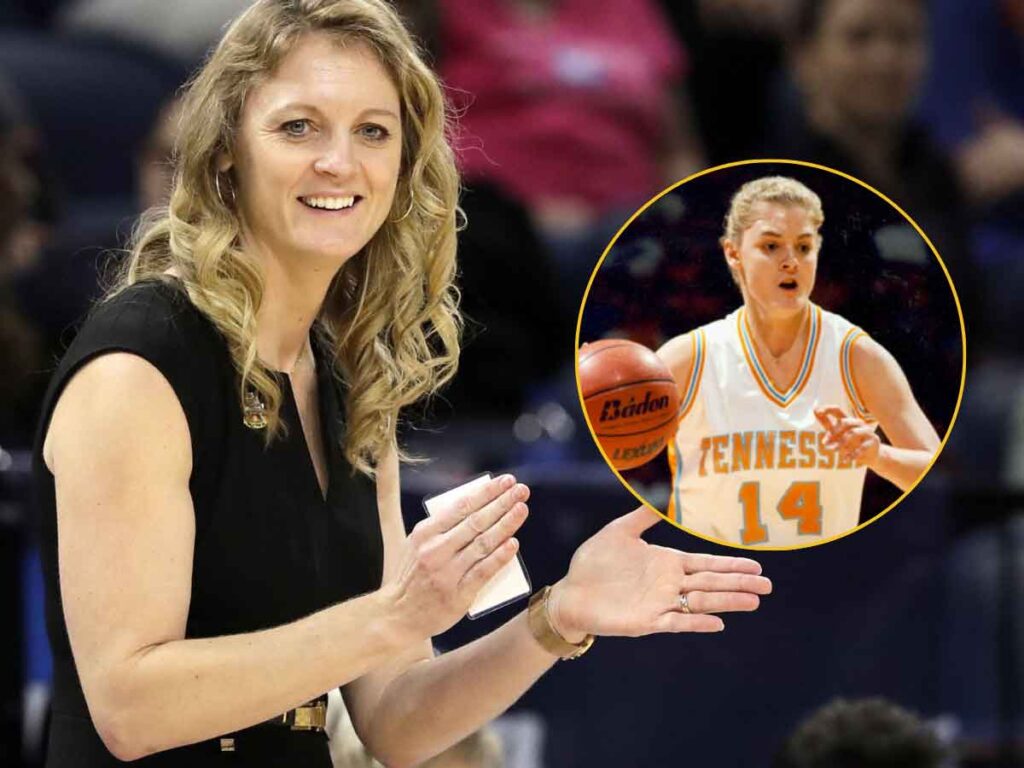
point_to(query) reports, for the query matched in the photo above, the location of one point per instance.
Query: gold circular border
(764, 161)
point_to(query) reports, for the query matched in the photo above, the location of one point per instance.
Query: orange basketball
(631, 400)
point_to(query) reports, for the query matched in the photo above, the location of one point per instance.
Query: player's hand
(618, 584)
(851, 437)
(449, 556)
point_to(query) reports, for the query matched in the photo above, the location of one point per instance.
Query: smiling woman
(348, 107)
(217, 466)
(319, 156)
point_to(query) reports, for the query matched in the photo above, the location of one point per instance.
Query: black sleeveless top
(268, 548)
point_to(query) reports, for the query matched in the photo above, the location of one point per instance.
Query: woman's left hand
(618, 584)
(854, 439)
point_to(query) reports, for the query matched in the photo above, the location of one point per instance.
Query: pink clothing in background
(572, 106)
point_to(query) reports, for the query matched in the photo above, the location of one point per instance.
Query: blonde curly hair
(390, 316)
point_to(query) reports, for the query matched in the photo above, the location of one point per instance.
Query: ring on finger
(684, 603)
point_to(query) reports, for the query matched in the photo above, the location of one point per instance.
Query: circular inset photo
(770, 353)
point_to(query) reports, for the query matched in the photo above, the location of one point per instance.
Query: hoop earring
(404, 216)
(216, 183)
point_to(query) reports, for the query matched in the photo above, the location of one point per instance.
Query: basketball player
(782, 400)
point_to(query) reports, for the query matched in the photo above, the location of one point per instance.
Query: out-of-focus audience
(863, 733)
(736, 50)
(568, 110)
(154, 165)
(517, 328)
(181, 30)
(24, 227)
(20, 185)
(860, 66)
(974, 104)
(480, 749)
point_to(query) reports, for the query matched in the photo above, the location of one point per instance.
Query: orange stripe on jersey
(812, 354)
(696, 373)
(676, 469)
(689, 398)
(750, 363)
(846, 368)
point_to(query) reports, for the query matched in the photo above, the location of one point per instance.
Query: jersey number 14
(800, 502)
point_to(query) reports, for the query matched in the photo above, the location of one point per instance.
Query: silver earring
(216, 183)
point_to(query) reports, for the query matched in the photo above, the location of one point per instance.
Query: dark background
(922, 607)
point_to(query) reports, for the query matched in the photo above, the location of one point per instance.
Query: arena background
(922, 608)
(665, 275)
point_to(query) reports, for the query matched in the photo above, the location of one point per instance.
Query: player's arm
(678, 355)
(119, 447)
(886, 393)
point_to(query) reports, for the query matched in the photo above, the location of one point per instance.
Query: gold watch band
(545, 634)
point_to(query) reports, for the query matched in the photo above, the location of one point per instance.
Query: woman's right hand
(452, 554)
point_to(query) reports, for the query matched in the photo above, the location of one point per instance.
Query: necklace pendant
(254, 412)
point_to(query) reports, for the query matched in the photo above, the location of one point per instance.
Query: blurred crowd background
(571, 114)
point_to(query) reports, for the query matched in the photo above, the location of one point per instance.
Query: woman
(226, 549)
(781, 400)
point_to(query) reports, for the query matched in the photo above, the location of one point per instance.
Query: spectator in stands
(975, 104)
(860, 65)
(154, 168)
(181, 30)
(974, 101)
(481, 749)
(517, 331)
(864, 733)
(573, 108)
(735, 46)
(28, 13)
(28, 209)
(22, 232)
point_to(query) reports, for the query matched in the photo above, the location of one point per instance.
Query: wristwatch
(545, 633)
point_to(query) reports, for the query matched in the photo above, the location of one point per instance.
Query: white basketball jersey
(749, 464)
